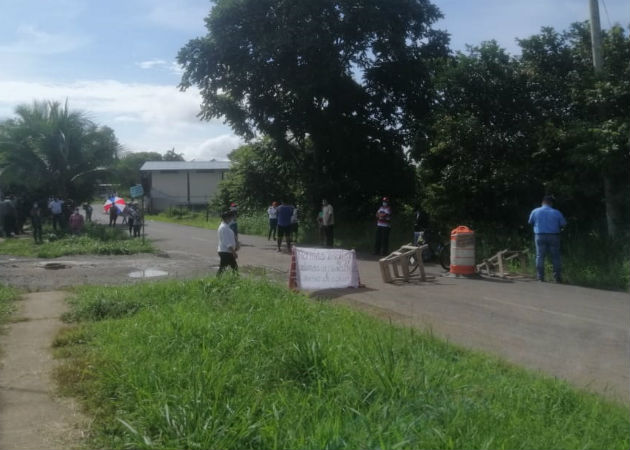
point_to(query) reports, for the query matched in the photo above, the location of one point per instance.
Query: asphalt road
(574, 333)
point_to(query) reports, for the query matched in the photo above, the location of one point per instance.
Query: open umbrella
(118, 202)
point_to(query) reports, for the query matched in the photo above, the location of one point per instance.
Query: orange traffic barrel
(462, 251)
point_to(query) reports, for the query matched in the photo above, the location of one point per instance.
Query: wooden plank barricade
(496, 265)
(405, 264)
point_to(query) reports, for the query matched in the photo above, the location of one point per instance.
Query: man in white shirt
(272, 212)
(227, 244)
(328, 222)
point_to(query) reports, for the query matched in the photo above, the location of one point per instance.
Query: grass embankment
(241, 363)
(7, 296)
(95, 239)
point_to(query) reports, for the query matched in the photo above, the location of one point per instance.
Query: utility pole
(596, 36)
(598, 65)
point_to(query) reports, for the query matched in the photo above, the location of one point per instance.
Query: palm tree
(47, 149)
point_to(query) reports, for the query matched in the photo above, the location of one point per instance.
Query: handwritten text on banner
(318, 268)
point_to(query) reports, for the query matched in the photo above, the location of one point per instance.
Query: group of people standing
(283, 223)
(132, 217)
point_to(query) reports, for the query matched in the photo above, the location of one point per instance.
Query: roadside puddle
(148, 273)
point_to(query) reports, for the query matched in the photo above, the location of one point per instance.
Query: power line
(607, 16)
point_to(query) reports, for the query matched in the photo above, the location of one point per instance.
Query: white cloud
(32, 40)
(217, 147)
(144, 116)
(150, 64)
(171, 66)
(156, 105)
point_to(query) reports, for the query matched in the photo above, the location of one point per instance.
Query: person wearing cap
(272, 213)
(383, 226)
(227, 244)
(547, 222)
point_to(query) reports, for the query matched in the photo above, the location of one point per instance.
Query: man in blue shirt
(284, 213)
(547, 223)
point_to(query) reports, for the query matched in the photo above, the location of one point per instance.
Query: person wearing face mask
(383, 225)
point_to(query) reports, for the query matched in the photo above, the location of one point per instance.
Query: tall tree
(586, 118)
(477, 168)
(49, 149)
(343, 87)
(126, 170)
(172, 155)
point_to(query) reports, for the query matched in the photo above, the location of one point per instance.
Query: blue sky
(115, 59)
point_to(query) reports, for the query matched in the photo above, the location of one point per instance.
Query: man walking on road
(284, 224)
(547, 223)
(227, 244)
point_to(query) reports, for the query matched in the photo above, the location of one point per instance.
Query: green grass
(95, 239)
(7, 296)
(186, 217)
(242, 363)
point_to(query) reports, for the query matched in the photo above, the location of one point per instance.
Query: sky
(115, 60)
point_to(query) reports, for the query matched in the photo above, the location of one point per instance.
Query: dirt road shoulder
(31, 416)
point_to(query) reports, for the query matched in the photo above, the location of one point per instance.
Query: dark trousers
(226, 260)
(273, 224)
(37, 232)
(282, 232)
(548, 244)
(130, 222)
(381, 244)
(328, 232)
(57, 220)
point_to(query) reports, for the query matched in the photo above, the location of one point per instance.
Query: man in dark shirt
(284, 213)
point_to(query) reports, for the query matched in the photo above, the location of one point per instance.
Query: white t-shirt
(227, 242)
(272, 212)
(328, 217)
(294, 216)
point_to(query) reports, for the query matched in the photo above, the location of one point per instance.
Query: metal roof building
(176, 183)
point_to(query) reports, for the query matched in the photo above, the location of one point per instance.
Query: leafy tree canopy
(341, 86)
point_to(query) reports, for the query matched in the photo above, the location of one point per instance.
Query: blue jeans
(548, 243)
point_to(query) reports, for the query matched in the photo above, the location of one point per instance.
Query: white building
(178, 183)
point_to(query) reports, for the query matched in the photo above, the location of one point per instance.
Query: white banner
(319, 268)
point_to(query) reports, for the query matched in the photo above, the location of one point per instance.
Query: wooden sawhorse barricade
(495, 266)
(405, 264)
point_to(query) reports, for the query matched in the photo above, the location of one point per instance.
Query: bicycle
(435, 250)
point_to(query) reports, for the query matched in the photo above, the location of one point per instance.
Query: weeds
(183, 216)
(95, 239)
(7, 296)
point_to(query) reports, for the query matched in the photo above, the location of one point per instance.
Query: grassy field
(95, 239)
(185, 217)
(242, 363)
